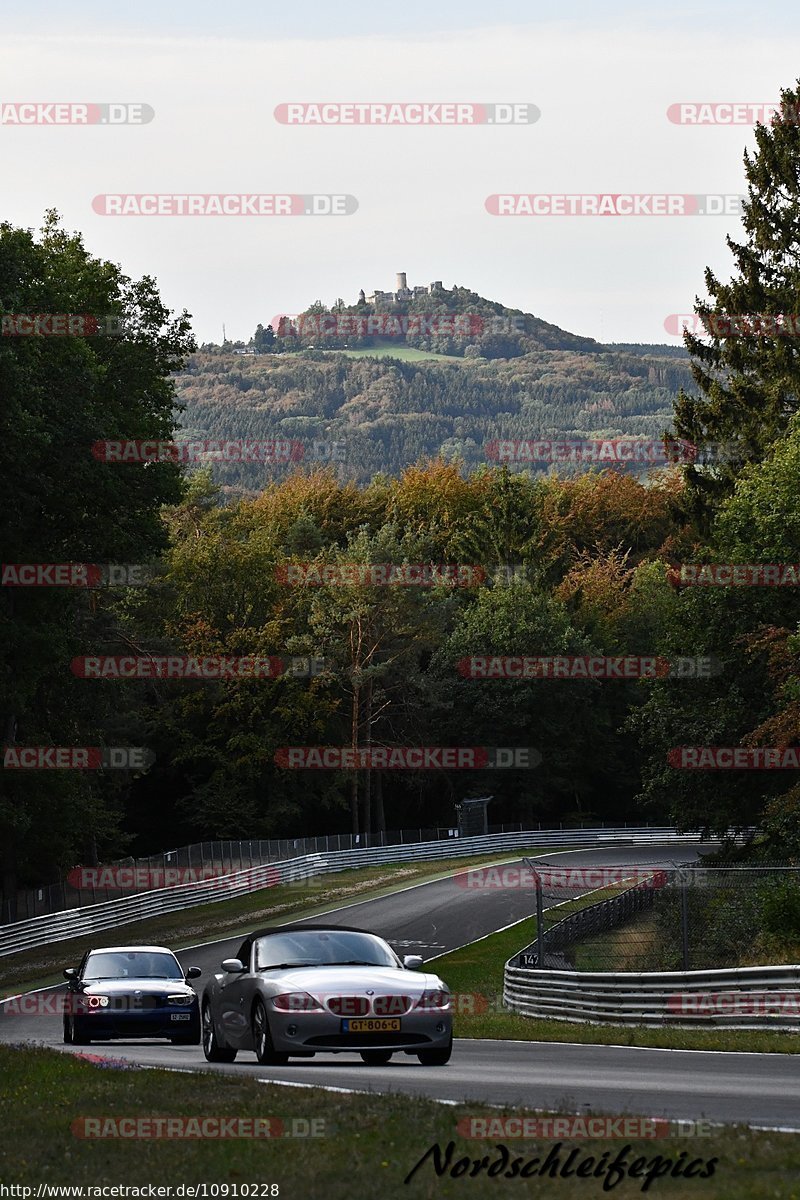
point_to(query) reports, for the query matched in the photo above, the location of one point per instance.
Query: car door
(234, 1013)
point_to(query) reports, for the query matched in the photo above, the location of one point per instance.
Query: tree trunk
(368, 775)
(380, 819)
(354, 742)
(9, 850)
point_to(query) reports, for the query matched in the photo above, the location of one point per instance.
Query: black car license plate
(181, 1016)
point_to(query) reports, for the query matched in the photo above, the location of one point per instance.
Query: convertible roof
(301, 925)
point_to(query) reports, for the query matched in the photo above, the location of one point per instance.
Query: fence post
(685, 925)
(539, 925)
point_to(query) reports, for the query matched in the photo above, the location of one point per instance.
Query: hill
(386, 414)
(380, 385)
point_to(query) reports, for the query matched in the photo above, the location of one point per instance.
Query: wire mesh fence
(678, 918)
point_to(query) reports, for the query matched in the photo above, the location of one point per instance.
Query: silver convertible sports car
(301, 990)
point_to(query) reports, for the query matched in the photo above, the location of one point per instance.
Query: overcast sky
(214, 74)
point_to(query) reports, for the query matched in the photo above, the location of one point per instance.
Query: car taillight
(433, 999)
(296, 1002)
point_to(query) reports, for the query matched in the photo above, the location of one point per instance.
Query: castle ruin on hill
(403, 292)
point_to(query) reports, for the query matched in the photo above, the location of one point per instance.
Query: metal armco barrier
(740, 997)
(77, 922)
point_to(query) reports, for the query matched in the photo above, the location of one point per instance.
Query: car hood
(122, 987)
(392, 980)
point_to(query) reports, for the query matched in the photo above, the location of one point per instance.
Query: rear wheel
(265, 1050)
(375, 1058)
(211, 1047)
(436, 1058)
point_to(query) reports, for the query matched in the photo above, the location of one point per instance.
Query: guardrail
(85, 886)
(736, 997)
(77, 922)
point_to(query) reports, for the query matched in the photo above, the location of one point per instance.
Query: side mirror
(233, 966)
(193, 973)
(71, 973)
(412, 962)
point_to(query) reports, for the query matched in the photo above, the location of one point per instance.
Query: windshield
(322, 947)
(132, 964)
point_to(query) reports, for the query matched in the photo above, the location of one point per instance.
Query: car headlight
(180, 999)
(95, 1002)
(296, 1002)
(432, 999)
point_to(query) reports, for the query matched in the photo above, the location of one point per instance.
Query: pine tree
(748, 370)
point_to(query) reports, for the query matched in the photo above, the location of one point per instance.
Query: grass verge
(370, 1143)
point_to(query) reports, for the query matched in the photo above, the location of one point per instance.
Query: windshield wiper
(354, 962)
(309, 962)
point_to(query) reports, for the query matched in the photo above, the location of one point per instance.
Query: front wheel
(264, 1047)
(73, 1033)
(375, 1058)
(211, 1047)
(436, 1058)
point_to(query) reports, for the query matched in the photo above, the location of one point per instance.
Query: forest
(395, 571)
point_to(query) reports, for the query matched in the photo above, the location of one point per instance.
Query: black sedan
(130, 992)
